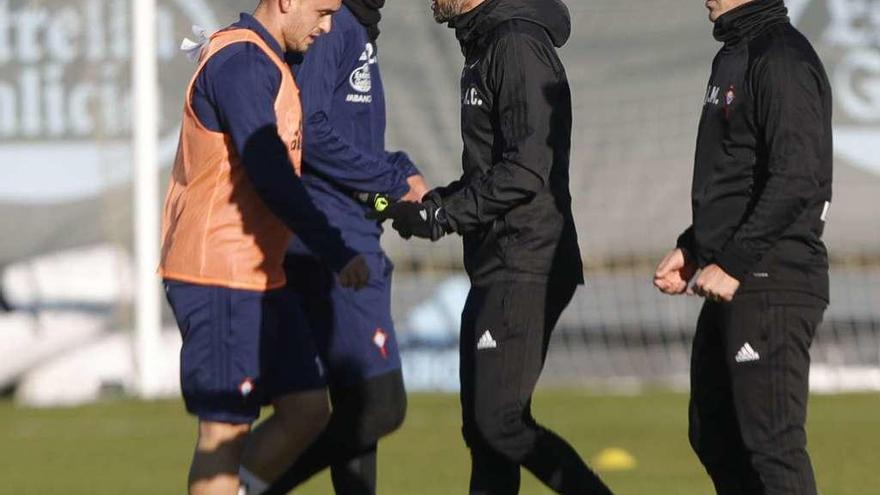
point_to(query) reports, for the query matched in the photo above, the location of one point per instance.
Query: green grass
(133, 447)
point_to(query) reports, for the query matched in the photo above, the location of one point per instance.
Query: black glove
(426, 220)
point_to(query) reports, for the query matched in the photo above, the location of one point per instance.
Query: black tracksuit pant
(505, 332)
(749, 387)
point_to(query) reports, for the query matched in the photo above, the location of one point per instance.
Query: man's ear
(286, 5)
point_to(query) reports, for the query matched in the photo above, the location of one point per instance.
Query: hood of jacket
(552, 15)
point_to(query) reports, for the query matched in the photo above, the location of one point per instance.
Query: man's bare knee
(215, 462)
(214, 435)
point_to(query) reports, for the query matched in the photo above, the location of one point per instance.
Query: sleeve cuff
(409, 169)
(686, 242)
(399, 191)
(435, 202)
(402, 160)
(736, 261)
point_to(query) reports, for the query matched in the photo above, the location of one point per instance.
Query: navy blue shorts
(352, 329)
(241, 349)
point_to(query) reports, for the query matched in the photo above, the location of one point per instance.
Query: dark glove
(426, 220)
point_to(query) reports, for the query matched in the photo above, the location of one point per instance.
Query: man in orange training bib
(232, 204)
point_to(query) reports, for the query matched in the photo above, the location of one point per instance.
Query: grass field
(130, 447)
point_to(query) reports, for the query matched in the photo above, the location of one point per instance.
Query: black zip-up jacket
(512, 204)
(762, 175)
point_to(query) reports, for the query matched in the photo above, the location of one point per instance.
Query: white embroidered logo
(360, 79)
(471, 98)
(746, 354)
(486, 341)
(712, 95)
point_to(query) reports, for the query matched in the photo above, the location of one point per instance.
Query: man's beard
(445, 10)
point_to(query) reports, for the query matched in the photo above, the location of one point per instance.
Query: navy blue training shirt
(235, 94)
(344, 131)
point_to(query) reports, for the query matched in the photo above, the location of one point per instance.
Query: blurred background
(70, 292)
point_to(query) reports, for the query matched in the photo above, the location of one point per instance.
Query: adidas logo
(746, 354)
(486, 341)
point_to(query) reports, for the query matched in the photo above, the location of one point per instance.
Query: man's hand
(715, 284)
(674, 272)
(413, 219)
(417, 189)
(355, 274)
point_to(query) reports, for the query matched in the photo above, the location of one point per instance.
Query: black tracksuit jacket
(512, 205)
(762, 175)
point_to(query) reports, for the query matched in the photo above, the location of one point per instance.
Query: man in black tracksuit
(761, 191)
(513, 208)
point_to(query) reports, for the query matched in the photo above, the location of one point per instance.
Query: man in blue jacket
(344, 155)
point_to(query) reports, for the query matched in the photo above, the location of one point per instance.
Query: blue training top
(344, 131)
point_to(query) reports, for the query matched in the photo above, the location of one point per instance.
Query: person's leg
(214, 468)
(490, 472)
(294, 383)
(714, 432)
(357, 475)
(356, 339)
(553, 460)
(297, 420)
(371, 365)
(367, 412)
(362, 414)
(558, 465)
(220, 376)
(768, 357)
(504, 337)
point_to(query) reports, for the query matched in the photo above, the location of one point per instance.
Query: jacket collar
(749, 20)
(367, 12)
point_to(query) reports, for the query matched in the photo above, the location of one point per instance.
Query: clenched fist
(674, 272)
(715, 284)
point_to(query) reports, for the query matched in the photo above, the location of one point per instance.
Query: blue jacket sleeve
(244, 89)
(328, 153)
